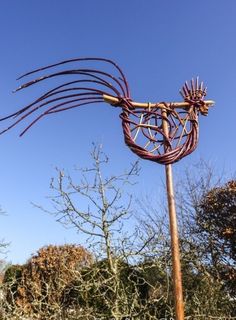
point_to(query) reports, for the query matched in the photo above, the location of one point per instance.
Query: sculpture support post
(176, 266)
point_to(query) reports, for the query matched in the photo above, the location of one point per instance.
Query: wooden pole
(176, 266)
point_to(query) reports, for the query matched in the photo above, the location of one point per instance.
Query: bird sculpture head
(194, 94)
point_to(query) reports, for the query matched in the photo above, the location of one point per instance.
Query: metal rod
(176, 266)
(181, 105)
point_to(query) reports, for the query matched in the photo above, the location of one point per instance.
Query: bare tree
(119, 285)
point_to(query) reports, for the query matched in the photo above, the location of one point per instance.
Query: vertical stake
(176, 266)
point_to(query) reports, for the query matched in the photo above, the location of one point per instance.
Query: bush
(38, 286)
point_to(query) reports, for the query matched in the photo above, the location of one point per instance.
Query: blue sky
(158, 45)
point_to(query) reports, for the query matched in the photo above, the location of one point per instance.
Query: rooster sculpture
(163, 132)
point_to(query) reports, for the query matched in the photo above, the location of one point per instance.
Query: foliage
(12, 279)
(206, 216)
(129, 275)
(216, 225)
(38, 286)
(140, 291)
(209, 239)
(216, 218)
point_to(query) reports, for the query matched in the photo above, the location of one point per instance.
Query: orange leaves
(44, 278)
